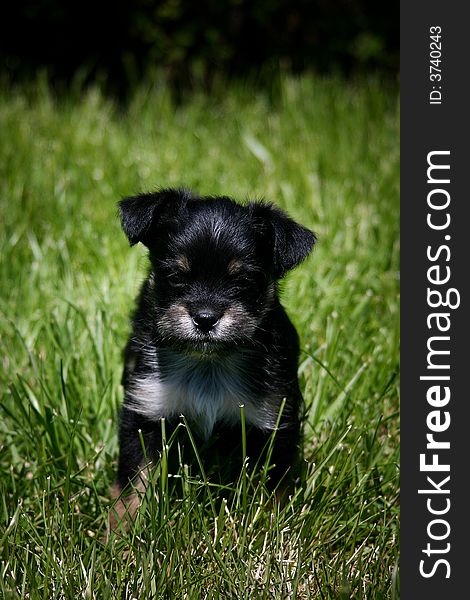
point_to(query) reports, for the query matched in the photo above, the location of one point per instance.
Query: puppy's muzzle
(205, 320)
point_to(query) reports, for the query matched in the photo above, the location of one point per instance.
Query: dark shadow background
(191, 42)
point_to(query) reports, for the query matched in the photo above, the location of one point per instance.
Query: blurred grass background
(193, 42)
(324, 149)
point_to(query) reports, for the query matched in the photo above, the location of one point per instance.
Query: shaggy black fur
(209, 333)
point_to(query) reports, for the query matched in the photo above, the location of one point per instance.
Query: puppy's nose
(205, 320)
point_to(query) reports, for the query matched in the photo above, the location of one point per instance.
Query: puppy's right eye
(176, 278)
(174, 270)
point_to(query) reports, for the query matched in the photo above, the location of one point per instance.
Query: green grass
(325, 150)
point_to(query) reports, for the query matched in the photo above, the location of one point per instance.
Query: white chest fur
(204, 391)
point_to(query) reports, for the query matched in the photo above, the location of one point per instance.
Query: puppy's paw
(122, 512)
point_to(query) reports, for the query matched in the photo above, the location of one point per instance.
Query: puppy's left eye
(242, 270)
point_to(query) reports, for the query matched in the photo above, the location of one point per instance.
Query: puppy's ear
(141, 215)
(289, 242)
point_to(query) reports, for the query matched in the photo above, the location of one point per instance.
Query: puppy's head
(215, 264)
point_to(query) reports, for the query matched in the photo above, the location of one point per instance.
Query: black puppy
(209, 333)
